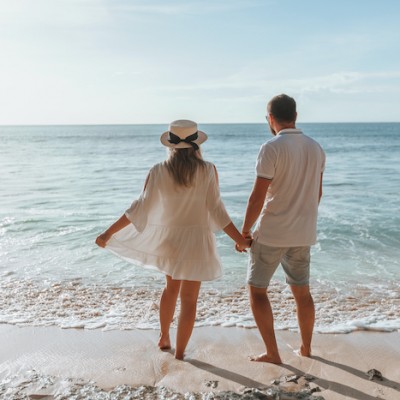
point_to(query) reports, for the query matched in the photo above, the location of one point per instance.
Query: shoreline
(73, 304)
(47, 361)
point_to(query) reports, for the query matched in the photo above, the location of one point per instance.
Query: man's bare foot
(164, 342)
(266, 358)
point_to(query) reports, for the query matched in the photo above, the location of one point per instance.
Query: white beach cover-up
(173, 227)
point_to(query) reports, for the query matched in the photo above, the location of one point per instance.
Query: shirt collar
(289, 130)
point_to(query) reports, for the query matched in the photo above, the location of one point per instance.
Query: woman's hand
(102, 239)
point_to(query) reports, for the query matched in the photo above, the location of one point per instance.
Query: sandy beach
(49, 362)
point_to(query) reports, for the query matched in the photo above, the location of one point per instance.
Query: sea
(61, 186)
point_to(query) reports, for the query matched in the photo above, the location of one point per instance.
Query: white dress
(173, 227)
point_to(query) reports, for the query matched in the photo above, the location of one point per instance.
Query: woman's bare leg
(167, 310)
(188, 295)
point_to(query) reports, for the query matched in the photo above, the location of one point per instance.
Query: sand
(50, 362)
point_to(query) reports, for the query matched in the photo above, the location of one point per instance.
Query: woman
(171, 228)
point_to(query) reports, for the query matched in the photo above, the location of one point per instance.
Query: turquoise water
(63, 185)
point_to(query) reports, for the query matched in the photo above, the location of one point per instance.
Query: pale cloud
(340, 82)
(182, 7)
(83, 12)
(348, 82)
(42, 13)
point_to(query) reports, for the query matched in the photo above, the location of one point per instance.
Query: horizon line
(199, 123)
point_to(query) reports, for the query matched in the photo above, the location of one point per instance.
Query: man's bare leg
(305, 316)
(262, 313)
(167, 310)
(188, 295)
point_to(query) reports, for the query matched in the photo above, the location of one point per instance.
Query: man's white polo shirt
(294, 162)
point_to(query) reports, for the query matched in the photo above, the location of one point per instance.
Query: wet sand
(45, 362)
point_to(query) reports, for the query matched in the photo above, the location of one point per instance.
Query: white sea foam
(72, 304)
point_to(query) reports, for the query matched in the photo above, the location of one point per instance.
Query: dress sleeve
(138, 211)
(219, 217)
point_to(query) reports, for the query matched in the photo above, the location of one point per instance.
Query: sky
(212, 61)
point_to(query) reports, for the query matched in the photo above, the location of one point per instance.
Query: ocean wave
(73, 304)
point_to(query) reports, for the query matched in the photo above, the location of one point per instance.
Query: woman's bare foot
(179, 356)
(266, 358)
(164, 342)
(305, 352)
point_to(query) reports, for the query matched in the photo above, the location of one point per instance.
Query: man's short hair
(283, 108)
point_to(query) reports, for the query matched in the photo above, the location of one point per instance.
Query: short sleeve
(266, 161)
(138, 211)
(219, 217)
(136, 215)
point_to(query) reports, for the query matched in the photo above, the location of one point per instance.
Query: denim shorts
(264, 260)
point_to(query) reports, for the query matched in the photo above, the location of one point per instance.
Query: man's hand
(247, 234)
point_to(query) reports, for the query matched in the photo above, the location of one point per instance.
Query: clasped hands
(248, 237)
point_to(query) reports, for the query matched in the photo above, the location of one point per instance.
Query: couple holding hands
(170, 227)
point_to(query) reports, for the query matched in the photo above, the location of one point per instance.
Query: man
(286, 192)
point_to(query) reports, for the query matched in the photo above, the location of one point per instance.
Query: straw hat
(182, 134)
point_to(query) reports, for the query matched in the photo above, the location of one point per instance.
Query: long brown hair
(182, 164)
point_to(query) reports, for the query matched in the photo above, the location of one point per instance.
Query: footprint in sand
(212, 384)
